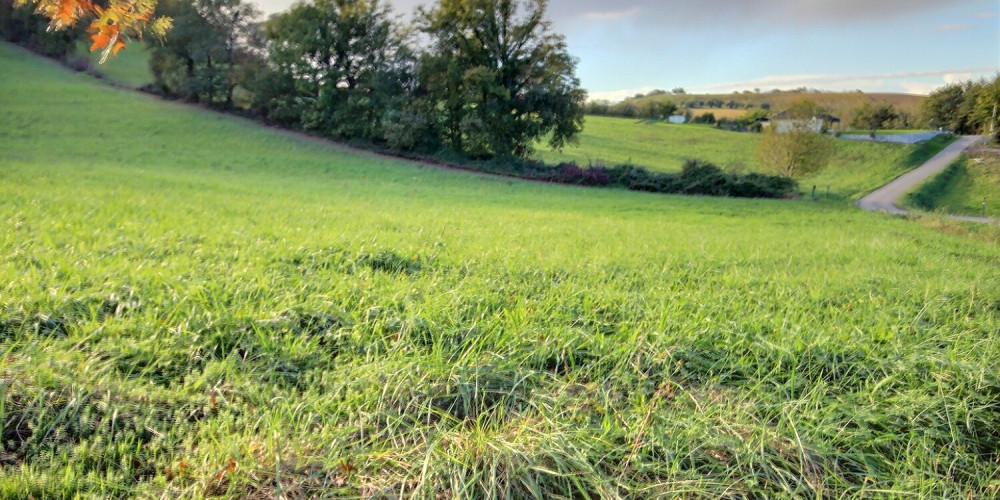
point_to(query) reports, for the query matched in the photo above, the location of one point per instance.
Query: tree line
(481, 78)
(969, 107)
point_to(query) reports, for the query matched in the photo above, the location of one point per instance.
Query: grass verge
(966, 187)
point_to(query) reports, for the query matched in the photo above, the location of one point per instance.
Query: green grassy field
(963, 187)
(856, 168)
(655, 145)
(194, 306)
(130, 67)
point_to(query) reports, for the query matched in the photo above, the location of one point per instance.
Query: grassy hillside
(653, 144)
(130, 67)
(193, 306)
(839, 104)
(963, 187)
(856, 169)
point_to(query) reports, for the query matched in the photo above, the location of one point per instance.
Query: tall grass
(191, 306)
(963, 188)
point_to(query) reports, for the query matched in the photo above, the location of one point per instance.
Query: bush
(568, 173)
(697, 177)
(702, 177)
(707, 118)
(408, 131)
(762, 186)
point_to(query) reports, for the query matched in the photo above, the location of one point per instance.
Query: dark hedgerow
(697, 177)
(568, 173)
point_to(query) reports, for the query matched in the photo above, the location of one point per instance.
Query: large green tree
(874, 117)
(236, 23)
(336, 66)
(986, 112)
(498, 78)
(208, 51)
(951, 107)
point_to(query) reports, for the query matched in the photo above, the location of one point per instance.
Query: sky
(625, 47)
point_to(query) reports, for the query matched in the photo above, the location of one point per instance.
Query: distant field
(839, 104)
(657, 145)
(856, 169)
(194, 306)
(963, 187)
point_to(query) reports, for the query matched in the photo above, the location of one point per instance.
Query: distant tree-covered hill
(840, 104)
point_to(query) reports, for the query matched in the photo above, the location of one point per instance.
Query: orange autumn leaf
(114, 21)
(64, 12)
(105, 36)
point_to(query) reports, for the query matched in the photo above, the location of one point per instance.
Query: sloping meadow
(855, 169)
(192, 306)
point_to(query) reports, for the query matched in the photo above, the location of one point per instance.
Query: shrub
(568, 173)
(407, 131)
(702, 177)
(699, 177)
(708, 118)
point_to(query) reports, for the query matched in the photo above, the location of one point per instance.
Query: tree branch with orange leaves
(112, 24)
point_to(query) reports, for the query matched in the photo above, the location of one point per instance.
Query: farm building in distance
(785, 122)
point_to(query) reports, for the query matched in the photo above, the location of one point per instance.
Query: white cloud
(958, 77)
(919, 88)
(841, 82)
(745, 15)
(610, 15)
(715, 12)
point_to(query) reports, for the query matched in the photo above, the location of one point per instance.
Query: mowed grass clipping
(856, 168)
(193, 306)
